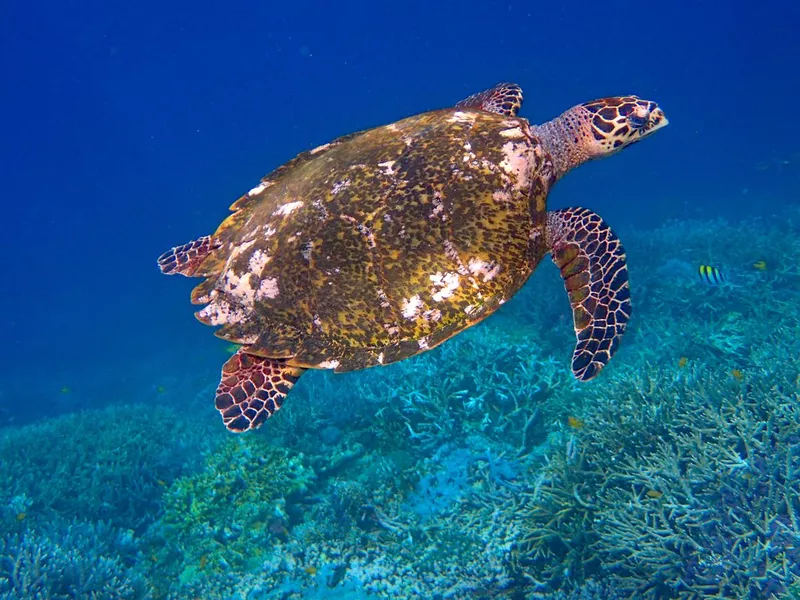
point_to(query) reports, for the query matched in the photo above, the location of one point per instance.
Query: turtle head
(598, 128)
(617, 122)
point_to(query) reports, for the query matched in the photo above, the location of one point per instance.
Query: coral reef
(102, 465)
(79, 490)
(73, 560)
(676, 491)
(226, 516)
(590, 590)
(261, 531)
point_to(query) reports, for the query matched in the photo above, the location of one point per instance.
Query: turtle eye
(637, 121)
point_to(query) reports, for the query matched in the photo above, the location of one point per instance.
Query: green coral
(227, 516)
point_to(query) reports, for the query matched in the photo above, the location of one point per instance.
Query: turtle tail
(592, 264)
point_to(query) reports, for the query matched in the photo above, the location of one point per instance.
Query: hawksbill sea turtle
(384, 243)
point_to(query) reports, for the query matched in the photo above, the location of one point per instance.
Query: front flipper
(185, 259)
(592, 263)
(252, 388)
(503, 99)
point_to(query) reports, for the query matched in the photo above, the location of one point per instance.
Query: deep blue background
(130, 127)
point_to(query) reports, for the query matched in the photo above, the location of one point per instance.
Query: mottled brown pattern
(592, 263)
(406, 234)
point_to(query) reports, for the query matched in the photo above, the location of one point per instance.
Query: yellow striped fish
(710, 275)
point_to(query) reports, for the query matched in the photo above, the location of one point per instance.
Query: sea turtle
(385, 243)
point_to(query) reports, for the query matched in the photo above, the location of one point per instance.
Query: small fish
(161, 389)
(65, 390)
(575, 422)
(710, 275)
(311, 570)
(203, 561)
(654, 494)
(682, 361)
(760, 265)
(21, 516)
(737, 374)
(161, 482)
(232, 349)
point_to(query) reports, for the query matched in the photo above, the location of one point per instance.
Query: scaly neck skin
(565, 139)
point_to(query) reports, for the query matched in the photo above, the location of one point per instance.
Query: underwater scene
(473, 339)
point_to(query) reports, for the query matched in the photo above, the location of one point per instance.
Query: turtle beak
(656, 121)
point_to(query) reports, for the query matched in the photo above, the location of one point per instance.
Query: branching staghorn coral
(72, 560)
(677, 491)
(110, 465)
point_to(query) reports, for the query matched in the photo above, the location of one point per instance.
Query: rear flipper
(185, 259)
(252, 388)
(592, 263)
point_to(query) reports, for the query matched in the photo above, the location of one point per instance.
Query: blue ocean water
(128, 128)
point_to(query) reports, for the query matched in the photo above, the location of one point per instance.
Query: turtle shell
(381, 244)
